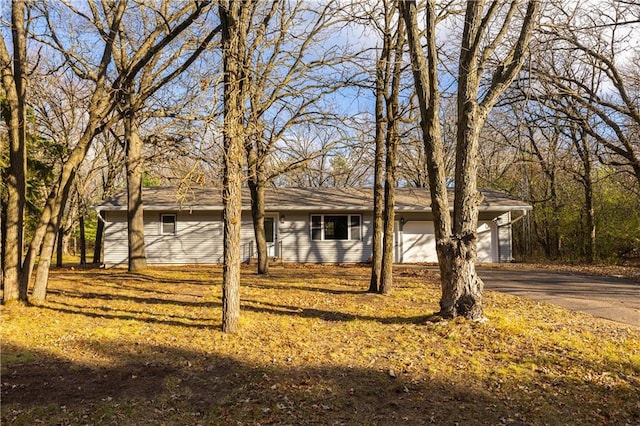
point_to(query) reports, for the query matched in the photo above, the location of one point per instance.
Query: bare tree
(233, 18)
(162, 25)
(289, 73)
(480, 48)
(383, 71)
(601, 41)
(392, 100)
(14, 82)
(315, 156)
(106, 96)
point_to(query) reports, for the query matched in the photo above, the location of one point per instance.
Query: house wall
(416, 239)
(505, 237)
(297, 246)
(199, 239)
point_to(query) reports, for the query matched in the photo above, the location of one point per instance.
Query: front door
(271, 234)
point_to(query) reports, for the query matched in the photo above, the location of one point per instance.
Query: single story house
(303, 225)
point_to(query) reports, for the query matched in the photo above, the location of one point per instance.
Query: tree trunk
(100, 105)
(426, 81)
(257, 189)
(462, 288)
(581, 142)
(386, 278)
(83, 242)
(2, 239)
(41, 281)
(59, 248)
(97, 249)
(14, 82)
(386, 281)
(382, 71)
(135, 209)
(256, 183)
(462, 296)
(591, 223)
(233, 46)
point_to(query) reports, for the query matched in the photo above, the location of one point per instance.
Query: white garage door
(418, 243)
(485, 246)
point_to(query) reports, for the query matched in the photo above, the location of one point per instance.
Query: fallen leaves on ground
(110, 347)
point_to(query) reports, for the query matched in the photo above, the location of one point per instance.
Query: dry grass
(110, 347)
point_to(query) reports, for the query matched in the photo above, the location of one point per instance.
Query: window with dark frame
(269, 229)
(168, 224)
(316, 227)
(354, 228)
(335, 227)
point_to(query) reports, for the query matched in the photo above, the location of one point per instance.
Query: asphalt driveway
(615, 299)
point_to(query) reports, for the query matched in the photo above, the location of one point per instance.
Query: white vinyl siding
(297, 245)
(116, 245)
(198, 238)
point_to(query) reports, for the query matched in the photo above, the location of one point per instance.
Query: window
(269, 229)
(354, 228)
(316, 227)
(168, 224)
(335, 227)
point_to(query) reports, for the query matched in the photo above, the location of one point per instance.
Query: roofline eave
(307, 208)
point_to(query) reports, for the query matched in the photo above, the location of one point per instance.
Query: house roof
(171, 198)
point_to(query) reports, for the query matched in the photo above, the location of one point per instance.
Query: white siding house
(303, 225)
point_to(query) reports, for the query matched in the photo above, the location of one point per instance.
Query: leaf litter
(313, 348)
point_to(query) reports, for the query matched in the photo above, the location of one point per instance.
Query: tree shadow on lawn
(152, 317)
(159, 384)
(144, 300)
(333, 315)
(121, 276)
(181, 321)
(311, 288)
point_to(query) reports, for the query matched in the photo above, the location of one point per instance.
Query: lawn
(109, 347)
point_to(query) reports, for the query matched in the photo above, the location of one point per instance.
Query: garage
(418, 243)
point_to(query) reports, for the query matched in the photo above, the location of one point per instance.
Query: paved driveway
(611, 298)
